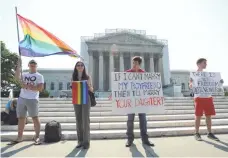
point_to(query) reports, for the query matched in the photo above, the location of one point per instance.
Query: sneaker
(198, 137)
(212, 136)
(148, 143)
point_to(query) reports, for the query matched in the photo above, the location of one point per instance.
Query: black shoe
(129, 143)
(148, 143)
(212, 136)
(198, 137)
(79, 146)
(86, 146)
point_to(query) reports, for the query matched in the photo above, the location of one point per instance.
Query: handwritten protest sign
(206, 83)
(137, 93)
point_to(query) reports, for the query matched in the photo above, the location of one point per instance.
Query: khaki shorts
(27, 105)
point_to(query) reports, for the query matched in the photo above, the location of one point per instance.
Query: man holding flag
(37, 42)
(28, 101)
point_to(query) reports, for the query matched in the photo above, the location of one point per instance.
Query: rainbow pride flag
(38, 42)
(80, 92)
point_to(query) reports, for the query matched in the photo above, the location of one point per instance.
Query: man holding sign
(142, 116)
(203, 85)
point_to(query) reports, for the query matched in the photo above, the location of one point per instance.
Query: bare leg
(21, 126)
(197, 123)
(208, 122)
(210, 135)
(36, 123)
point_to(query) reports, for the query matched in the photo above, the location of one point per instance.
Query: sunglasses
(32, 65)
(80, 65)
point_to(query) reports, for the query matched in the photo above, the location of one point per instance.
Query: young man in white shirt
(28, 101)
(203, 105)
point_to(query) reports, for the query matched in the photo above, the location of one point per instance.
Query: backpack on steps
(13, 120)
(53, 132)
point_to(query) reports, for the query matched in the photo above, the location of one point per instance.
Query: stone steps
(106, 101)
(109, 113)
(182, 98)
(178, 119)
(117, 134)
(109, 109)
(95, 119)
(122, 125)
(168, 105)
(105, 112)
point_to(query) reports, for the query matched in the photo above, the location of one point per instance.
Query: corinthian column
(121, 62)
(143, 62)
(111, 69)
(151, 63)
(160, 69)
(131, 57)
(91, 64)
(101, 68)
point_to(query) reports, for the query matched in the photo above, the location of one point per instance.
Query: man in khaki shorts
(28, 101)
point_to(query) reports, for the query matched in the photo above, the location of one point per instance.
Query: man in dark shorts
(28, 101)
(142, 117)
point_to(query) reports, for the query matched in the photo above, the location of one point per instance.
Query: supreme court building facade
(113, 51)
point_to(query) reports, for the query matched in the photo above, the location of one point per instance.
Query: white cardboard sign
(137, 93)
(206, 83)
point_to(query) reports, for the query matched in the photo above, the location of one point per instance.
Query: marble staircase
(177, 120)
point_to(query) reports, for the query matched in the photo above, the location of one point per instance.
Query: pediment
(124, 38)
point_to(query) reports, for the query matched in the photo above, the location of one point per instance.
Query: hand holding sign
(190, 83)
(90, 86)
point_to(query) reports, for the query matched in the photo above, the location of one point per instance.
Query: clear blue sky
(193, 28)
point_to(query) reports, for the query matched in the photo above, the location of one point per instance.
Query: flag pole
(18, 39)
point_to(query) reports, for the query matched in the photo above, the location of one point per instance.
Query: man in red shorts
(203, 104)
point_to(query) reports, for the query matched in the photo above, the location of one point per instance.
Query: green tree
(226, 93)
(8, 66)
(44, 94)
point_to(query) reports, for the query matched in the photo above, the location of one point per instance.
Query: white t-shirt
(34, 79)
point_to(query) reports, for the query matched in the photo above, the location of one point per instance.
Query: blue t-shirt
(8, 105)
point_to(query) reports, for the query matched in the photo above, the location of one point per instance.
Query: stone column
(91, 65)
(111, 69)
(156, 65)
(121, 62)
(143, 62)
(101, 73)
(160, 69)
(131, 57)
(151, 63)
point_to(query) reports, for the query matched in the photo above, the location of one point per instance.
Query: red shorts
(204, 105)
